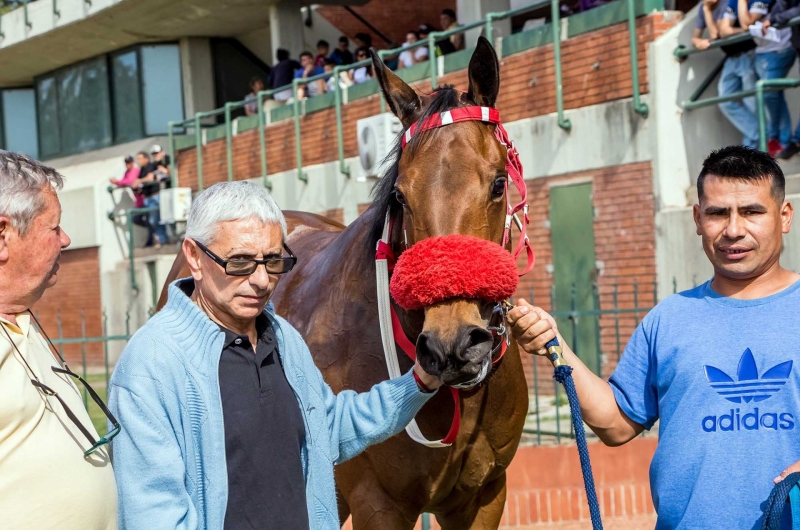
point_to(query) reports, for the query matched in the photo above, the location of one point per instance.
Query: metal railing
(762, 86)
(615, 312)
(435, 65)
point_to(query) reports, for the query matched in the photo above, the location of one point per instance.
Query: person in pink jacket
(128, 179)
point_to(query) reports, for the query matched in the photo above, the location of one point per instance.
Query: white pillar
(286, 28)
(197, 73)
(469, 11)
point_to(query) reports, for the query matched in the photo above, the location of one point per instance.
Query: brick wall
(336, 214)
(624, 232)
(75, 294)
(545, 486)
(596, 70)
(390, 17)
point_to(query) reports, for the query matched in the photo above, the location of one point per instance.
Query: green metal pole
(762, 116)
(555, 12)
(343, 168)
(638, 105)
(171, 141)
(298, 148)
(434, 61)
(262, 142)
(198, 144)
(56, 12)
(129, 226)
(25, 7)
(381, 54)
(490, 27)
(229, 140)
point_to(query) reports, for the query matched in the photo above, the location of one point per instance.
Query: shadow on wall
(706, 128)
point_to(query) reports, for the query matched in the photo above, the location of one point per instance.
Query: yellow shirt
(45, 481)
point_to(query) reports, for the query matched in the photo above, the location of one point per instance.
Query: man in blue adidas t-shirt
(717, 365)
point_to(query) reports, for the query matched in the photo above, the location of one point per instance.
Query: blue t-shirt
(720, 375)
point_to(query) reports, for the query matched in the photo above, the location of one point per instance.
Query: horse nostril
(430, 352)
(473, 344)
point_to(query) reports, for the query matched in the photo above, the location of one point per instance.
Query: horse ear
(484, 74)
(402, 99)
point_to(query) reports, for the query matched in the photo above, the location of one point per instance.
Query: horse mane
(444, 98)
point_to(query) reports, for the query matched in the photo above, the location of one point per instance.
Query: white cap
(155, 149)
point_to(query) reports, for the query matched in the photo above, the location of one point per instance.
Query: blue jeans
(774, 65)
(154, 220)
(739, 73)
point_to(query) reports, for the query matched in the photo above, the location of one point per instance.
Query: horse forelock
(442, 99)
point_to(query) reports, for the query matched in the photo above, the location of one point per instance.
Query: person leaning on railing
(782, 12)
(773, 60)
(55, 471)
(738, 71)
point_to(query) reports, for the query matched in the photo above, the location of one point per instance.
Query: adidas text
(751, 421)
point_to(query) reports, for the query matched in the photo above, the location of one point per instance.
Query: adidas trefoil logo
(748, 386)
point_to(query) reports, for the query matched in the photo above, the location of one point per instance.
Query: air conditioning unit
(375, 137)
(175, 204)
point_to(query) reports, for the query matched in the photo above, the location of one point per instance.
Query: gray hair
(230, 201)
(22, 182)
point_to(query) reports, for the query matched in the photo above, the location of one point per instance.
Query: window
(163, 92)
(127, 92)
(107, 100)
(84, 107)
(19, 121)
(47, 114)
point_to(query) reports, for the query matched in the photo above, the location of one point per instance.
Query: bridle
(391, 329)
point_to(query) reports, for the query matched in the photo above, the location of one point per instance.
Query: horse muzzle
(452, 278)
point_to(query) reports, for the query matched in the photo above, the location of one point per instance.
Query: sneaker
(789, 151)
(774, 147)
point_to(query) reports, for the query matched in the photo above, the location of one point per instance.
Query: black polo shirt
(264, 435)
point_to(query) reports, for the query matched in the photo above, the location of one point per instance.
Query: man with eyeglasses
(228, 422)
(55, 471)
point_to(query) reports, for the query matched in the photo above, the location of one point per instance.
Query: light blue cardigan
(169, 459)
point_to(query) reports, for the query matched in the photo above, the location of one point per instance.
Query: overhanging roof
(48, 42)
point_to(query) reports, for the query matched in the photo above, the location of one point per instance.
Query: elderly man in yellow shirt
(54, 471)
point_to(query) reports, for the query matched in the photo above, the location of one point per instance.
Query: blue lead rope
(776, 503)
(563, 374)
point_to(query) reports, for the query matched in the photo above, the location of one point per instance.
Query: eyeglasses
(47, 391)
(246, 267)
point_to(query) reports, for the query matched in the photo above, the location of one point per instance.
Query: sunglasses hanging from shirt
(47, 391)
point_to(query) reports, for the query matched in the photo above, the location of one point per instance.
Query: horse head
(446, 181)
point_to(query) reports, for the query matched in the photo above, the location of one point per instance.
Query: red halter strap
(513, 167)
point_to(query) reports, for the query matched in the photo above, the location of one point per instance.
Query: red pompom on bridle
(455, 266)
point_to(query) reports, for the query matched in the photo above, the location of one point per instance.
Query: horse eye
(498, 188)
(398, 195)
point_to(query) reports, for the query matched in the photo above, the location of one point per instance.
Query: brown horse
(446, 181)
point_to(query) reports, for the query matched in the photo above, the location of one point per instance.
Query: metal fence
(179, 137)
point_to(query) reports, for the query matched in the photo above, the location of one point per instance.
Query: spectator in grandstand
(129, 179)
(409, 58)
(448, 22)
(772, 60)
(703, 362)
(149, 186)
(330, 83)
(322, 53)
(782, 12)
(228, 422)
(363, 74)
(308, 69)
(282, 75)
(363, 40)
(586, 5)
(54, 472)
(738, 72)
(342, 54)
(256, 86)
